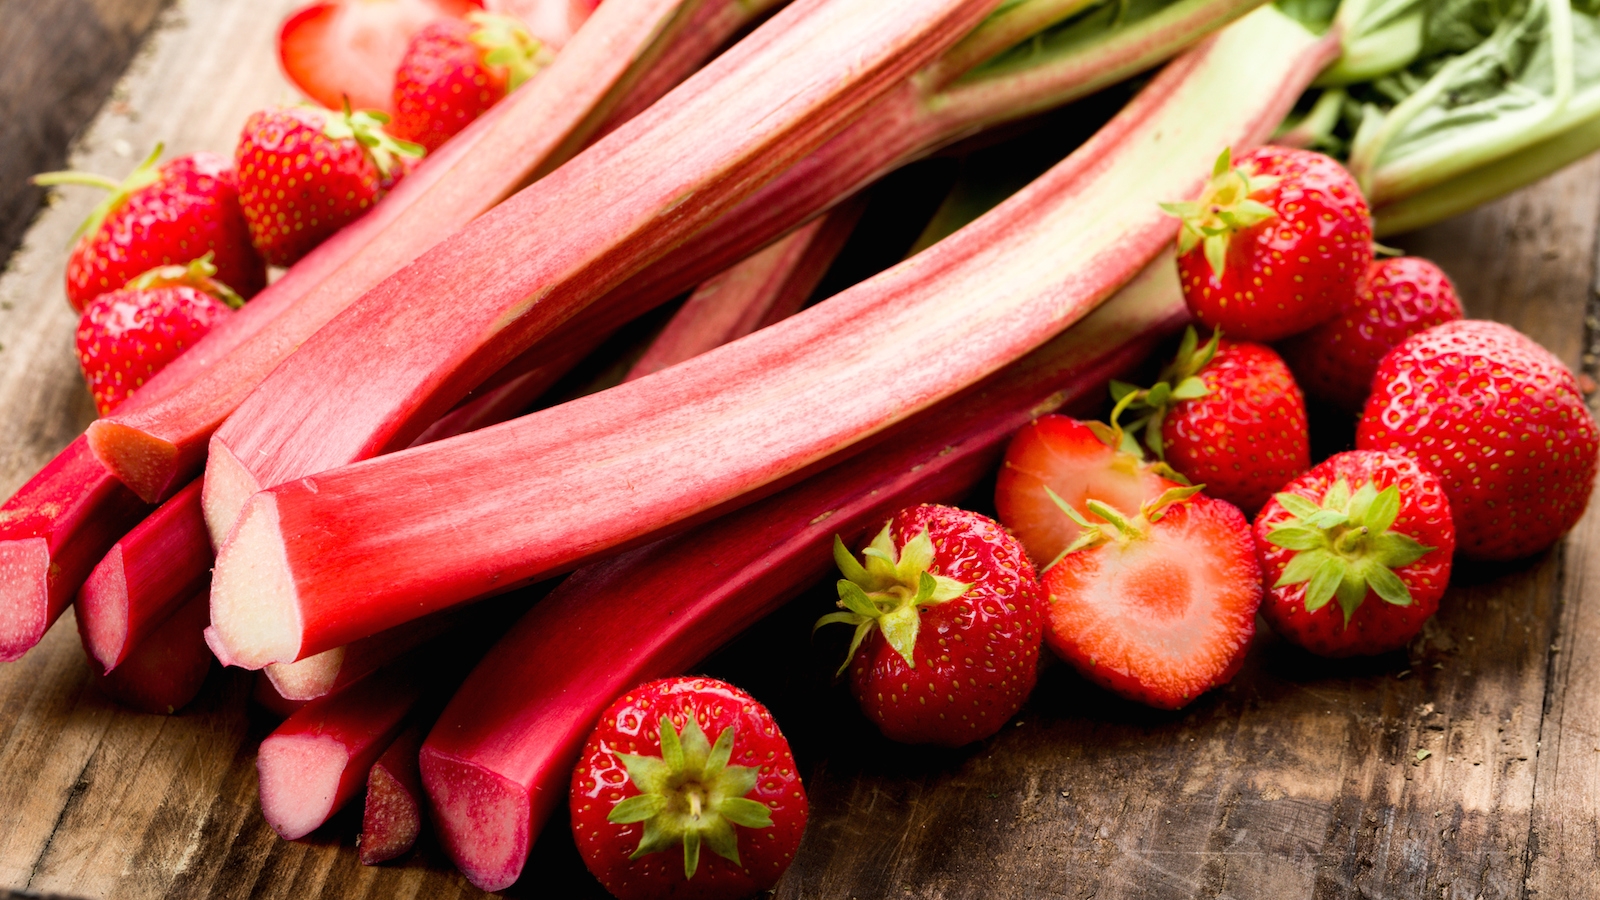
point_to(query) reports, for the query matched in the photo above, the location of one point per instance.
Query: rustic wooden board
(1303, 778)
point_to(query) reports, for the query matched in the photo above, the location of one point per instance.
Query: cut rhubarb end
(300, 776)
(228, 486)
(482, 818)
(391, 820)
(309, 678)
(167, 669)
(147, 464)
(103, 612)
(255, 613)
(24, 595)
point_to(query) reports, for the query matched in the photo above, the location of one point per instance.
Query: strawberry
(456, 69)
(305, 173)
(161, 216)
(339, 51)
(1400, 297)
(1273, 245)
(1158, 607)
(948, 613)
(1500, 420)
(1073, 461)
(1372, 529)
(127, 336)
(1227, 415)
(678, 765)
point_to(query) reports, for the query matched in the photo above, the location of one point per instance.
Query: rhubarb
(155, 449)
(169, 667)
(326, 559)
(391, 820)
(498, 758)
(765, 288)
(333, 670)
(402, 355)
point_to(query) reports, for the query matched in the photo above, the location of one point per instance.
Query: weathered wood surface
(1304, 778)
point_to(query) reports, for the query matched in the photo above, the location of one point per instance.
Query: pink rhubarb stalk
(169, 667)
(368, 382)
(155, 449)
(391, 820)
(326, 559)
(498, 759)
(766, 288)
(334, 670)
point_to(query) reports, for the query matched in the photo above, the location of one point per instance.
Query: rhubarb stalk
(498, 758)
(330, 558)
(369, 382)
(169, 667)
(391, 819)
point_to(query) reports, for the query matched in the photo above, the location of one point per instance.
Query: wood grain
(1466, 766)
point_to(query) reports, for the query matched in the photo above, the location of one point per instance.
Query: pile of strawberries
(175, 248)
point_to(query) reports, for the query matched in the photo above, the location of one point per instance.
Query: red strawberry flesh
(336, 51)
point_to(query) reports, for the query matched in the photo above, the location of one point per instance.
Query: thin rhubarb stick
(317, 760)
(264, 695)
(52, 532)
(333, 670)
(159, 564)
(519, 271)
(391, 820)
(155, 449)
(330, 558)
(495, 762)
(168, 668)
(766, 288)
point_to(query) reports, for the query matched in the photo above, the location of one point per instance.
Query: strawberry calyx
(1344, 546)
(1179, 380)
(144, 175)
(887, 591)
(1116, 527)
(509, 44)
(365, 127)
(689, 796)
(198, 274)
(1225, 206)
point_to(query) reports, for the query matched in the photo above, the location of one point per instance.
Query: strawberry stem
(144, 175)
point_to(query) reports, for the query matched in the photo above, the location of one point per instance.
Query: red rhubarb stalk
(317, 760)
(765, 288)
(168, 668)
(155, 449)
(519, 271)
(264, 695)
(496, 761)
(327, 559)
(391, 820)
(333, 670)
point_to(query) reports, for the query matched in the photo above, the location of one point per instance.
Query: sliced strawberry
(1158, 608)
(350, 48)
(1066, 456)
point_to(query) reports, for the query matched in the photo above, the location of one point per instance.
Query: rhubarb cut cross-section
(401, 356)
(330, 558)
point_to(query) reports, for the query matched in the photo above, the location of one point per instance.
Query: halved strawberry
(1158, 607)
(348, 49)
(1063, 455)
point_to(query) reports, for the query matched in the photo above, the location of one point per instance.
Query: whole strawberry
(127, 336)
(455, 69)
(1273, 245)
(161, 216)
(304, 173)
(948, 614)
(1227, 415)
(1501, 422)
(687, 789)
(1371, 530)
(1401, 296)
(1158, 607)
(1058, 459)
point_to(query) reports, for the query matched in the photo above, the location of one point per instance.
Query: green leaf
(1338, 496)
(945, 589)
(746, 812)
(856, 600)
(736, 781)
(721, 751)
(691, 853)
(1120, 389)
(900, 630)
(847, 563)
(1361, 502)
(1385, 509)
(1187, 343)
(862, 630)
(671, 748)
(1223, 164)
(1159, 394)
(648, 773)
(1297, 537)
(1351, 591)
(839, 618)
(1298, 506)
(656, 838)
(915, 558)
(718, 835)
(1327, 518)
(1067, 508)
(1386, 584)
(1397, 550)
(636, 808)
(1324, 582)
(1302, 566)
(1216, 248)
(1111, 515)
(1191, 388)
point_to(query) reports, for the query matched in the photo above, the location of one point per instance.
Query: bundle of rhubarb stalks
(352, 477)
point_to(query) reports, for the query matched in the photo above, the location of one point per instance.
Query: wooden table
(1467, 767)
